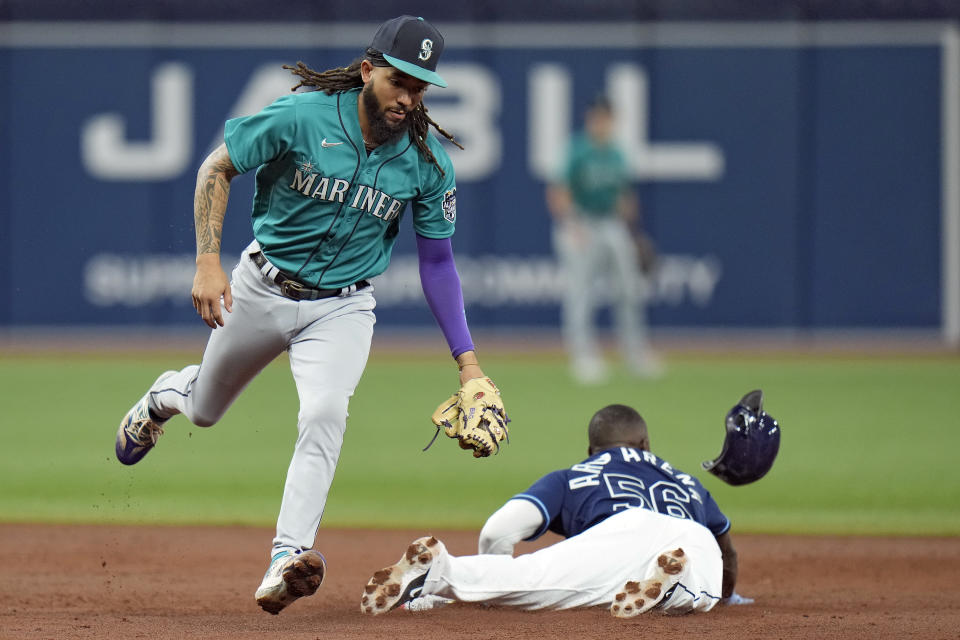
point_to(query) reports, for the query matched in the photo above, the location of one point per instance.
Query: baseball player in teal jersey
(593, 206)
(335, 170)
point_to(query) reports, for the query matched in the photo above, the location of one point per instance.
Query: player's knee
(206, 419)
(323, 409)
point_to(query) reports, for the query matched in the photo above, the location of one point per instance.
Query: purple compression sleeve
(441, 288)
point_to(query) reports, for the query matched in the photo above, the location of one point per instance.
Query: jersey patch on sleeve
(450, 206)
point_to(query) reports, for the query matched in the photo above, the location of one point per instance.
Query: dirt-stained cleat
(290, 576)
(402, 582)
(638, 597)
(140, 429)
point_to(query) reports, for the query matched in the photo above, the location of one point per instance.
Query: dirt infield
(166, 582)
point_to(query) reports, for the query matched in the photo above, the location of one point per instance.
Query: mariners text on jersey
(326, 210)
(367, 199)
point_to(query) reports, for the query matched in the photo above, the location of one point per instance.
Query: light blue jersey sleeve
(262, 137)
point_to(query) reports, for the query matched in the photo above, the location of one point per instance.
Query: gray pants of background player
(599, 259)
(328, 342)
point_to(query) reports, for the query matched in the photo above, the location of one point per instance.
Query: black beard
(381, 131)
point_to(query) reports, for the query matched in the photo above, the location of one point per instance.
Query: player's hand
(574, 234)
(736, 598)
(210, 284)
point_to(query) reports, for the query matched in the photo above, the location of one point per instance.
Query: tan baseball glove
(475, 416)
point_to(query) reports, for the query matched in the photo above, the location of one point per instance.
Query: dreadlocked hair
(344, 78)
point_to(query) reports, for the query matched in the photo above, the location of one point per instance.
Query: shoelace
(145, 432)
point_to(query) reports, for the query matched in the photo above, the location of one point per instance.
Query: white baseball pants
(328, 342)
(588, 569)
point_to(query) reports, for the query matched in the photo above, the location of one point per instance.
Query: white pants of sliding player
(588, 569)
(328, 342)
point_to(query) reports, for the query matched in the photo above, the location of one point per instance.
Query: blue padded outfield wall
(792, 175)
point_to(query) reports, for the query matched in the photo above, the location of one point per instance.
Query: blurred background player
(336, 168)
(593, 207)
(639, 534)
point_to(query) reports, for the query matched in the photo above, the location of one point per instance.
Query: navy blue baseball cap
(411, 45)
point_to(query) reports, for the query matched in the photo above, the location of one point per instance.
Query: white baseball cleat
(290, 576)
(639, 597)
(140, 429)
(398, 584)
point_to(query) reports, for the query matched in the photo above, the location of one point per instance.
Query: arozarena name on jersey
(368, 199)
(594, 468)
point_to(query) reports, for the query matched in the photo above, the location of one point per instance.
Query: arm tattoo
(210, 199)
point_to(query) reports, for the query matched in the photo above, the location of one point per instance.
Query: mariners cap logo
(426, 49)
(411, 45)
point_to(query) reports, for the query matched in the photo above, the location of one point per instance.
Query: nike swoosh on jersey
(324, 143)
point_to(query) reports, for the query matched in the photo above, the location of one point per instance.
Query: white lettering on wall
(108, 154)
(629, 91)
(268, 82)
(491, 281)
(685, 277)
(136, 281)
(550, 90)
(469, 108)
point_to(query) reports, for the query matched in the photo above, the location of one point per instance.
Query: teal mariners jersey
(596, 176)
(325, 210)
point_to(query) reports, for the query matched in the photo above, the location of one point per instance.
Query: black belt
(298, 291)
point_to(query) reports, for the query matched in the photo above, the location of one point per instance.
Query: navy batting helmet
(751, 443)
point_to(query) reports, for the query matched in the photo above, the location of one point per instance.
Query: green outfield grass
(869, 443)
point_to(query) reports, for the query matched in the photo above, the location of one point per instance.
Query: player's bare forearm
(559, 202)
(469, 366)
(210, 199)
(729, 555)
